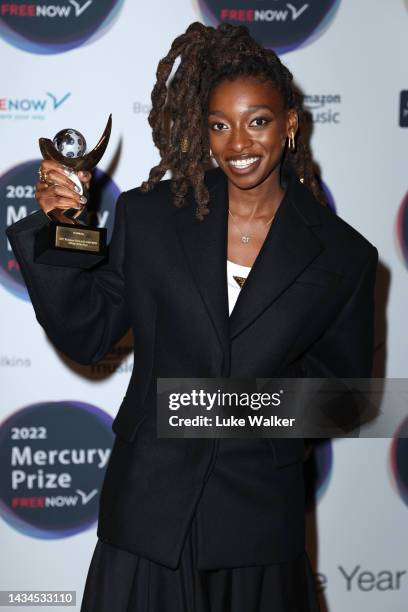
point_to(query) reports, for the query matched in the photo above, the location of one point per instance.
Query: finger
(65, 192)
(57, 178)
(55, 192)
(59, 202)
(84, 176)
(57, 173)
(49, 165)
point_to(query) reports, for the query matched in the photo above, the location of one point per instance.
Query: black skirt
(119, 581)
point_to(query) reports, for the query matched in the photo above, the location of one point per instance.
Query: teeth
(243, 163)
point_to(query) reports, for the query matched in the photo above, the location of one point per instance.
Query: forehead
(244, 92)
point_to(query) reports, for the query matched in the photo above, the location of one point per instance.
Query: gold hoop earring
(184, 144)
(291, 142)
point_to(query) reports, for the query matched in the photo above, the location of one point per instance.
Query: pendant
(240, 280)
(245, 239)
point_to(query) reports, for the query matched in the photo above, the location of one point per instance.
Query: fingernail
(83, 199)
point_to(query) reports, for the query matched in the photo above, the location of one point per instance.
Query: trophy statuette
(66, 240)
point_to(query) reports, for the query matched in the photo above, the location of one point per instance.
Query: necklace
(245, 238)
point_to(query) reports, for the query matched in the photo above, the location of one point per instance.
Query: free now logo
(277, 24)
(289, 12)
(44, 26)
(44, 10)
(34, 108)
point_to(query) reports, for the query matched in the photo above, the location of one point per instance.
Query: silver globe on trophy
(66, 240)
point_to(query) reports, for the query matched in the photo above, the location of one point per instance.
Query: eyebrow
(250, 109)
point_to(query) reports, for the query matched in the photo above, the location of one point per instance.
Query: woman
(247, 276)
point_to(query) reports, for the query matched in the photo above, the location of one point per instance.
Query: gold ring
(43, 176)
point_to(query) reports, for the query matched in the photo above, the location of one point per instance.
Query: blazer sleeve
(83, 312)
(346, 348)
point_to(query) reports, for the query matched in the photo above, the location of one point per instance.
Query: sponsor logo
(44, 26)
(31, 108)
(276, 24)
(403, 114)
(8, 361)
(141, 108)
(322, 109)
(17, 191)
(54, 456)
(117, 361)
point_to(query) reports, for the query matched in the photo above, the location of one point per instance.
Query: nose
(239, 140)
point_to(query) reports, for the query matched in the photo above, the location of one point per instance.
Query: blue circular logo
(276, 24)
(17, 189)
(53, 456)
(55, 26)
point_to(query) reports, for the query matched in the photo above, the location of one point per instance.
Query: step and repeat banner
(69, 64)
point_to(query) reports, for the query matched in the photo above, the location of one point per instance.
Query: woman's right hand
(59, 191)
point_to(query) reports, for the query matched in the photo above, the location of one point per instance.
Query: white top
(234, 269)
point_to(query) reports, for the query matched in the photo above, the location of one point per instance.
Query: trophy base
(76, 246)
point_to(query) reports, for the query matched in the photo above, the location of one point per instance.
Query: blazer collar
(289, 247)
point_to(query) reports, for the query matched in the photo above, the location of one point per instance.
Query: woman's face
(248, 126)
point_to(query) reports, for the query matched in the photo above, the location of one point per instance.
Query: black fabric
(307, 306)
(119, 581)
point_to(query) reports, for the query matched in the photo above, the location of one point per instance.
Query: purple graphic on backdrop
(399, 460)
(329, 197)
(53, 457)
(55, 26)
(318, 470)
(17, 201)
(402, 229)
(276, 24)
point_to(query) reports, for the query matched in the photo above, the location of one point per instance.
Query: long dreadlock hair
(207, 56)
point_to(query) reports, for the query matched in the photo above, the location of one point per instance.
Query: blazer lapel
(205, 248)
(289, 247)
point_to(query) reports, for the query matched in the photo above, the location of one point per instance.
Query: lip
(245, 170)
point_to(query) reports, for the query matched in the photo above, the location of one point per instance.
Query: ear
(292, 122)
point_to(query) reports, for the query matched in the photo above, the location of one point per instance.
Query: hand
(59, 191)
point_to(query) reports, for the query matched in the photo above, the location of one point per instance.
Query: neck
(263, 200)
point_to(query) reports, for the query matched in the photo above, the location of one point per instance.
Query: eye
(260, 121)
(217, 126)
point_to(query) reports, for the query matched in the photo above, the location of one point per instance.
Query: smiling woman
(241, 274)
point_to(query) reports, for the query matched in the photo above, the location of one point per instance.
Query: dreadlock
(207, 56)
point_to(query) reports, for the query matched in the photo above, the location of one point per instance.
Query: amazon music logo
(317, 471)
(398, 460)
(277, 24)
(323, 108)
(17, 191)
(45, 27)
(53, 456)
(401, 229)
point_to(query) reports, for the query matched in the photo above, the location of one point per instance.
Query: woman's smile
(244, 165)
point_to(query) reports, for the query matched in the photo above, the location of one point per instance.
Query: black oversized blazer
(306, 310)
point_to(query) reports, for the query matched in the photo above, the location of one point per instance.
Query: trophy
(67, 240)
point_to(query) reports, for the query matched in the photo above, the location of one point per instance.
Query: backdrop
(69, 63)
